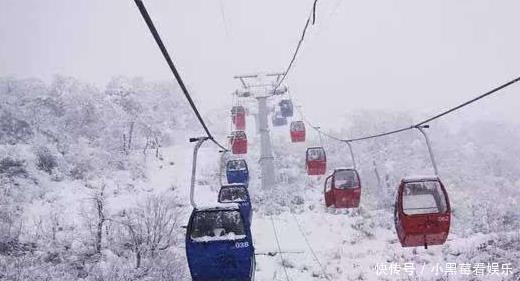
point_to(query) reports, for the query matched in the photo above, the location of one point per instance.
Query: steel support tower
(255, 86)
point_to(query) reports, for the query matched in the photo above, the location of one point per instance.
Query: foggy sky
(414, 55)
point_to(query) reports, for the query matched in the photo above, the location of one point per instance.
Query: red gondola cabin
(422, 212)
(238, 115)
(297, 131)
(342, 189)
(238, 141)
(316, 161)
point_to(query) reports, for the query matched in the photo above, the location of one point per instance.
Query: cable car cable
(424, 122)
(158, 40)
(317, 128)
(379, 135)
(314, 12)
(302, 37)
(503, 86)
(421, 123)
(279, 249)
(224, 21)
(310, 248)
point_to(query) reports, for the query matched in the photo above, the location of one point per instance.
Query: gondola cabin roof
(344, 169)
(315, 147)
(218, 207)
(238, 108)
(233, 193)
(339, 169)
(298, 125)
(420, 178)
(234, 185)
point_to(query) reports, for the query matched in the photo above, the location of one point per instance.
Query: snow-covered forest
(76, 191)
(94, 186)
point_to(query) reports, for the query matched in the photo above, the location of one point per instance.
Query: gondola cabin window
(346, 179)
(233, 194)
(237, 165)
(424, 197)
(297, 126)
(239, 134)
(217, 225)
(316, 154)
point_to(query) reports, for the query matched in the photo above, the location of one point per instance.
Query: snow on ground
(315, 243)
(321, 244)
(307, 241)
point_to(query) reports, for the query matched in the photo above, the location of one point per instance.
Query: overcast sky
(362, 54)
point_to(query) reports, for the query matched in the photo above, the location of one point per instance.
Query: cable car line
(314, 11)
(294, 54)
(279, 249)
(421, 124)
(424, 122)
(313, 16)
(223, 14)
(317, 128)
(379, 135)
(505, 85)
(324, 272)
(158, 40)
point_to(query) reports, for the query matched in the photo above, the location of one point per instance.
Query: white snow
(316, 243)
(420, 178)
(225, 237)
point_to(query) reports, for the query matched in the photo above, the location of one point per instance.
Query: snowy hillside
(95, 186)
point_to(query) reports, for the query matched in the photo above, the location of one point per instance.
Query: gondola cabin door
(328, 192)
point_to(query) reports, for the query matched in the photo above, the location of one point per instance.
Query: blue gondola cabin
(237, 171)
(278, 120)
(286, 108)
(219, 245)
(237, 193)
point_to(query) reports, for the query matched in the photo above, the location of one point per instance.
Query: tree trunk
(156, 139)
(99, 200)
(130, 134)
(124, 143)
(99, 231)
(137, 259)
